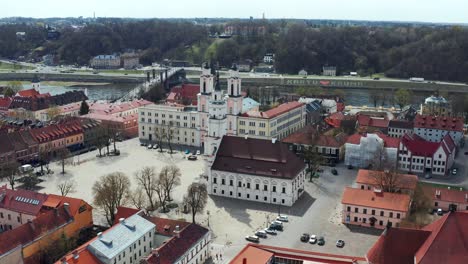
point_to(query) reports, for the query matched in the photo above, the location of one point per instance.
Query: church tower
(207, 79)
(217, 119)
(234, 101)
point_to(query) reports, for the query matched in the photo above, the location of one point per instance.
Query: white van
(26, 168)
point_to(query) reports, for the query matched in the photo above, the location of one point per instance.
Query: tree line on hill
(400, 51)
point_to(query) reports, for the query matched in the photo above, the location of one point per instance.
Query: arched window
(216, 97)
(232, 89)
(204, 87)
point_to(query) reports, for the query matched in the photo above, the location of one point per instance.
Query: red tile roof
(405, 181)
(383, 200)
(443, 241)
(28, 93)
(420, 147)
(365, 120)
(446, 195)
(22, 201)
(397, 245)
(257, 157)
(306, 134)
(5, 103)
(439, 122)
(389, 142)
(279, 110)
(259, 254)
(28, 232)
(184, 92)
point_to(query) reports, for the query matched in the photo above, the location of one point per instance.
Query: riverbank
(58, 83)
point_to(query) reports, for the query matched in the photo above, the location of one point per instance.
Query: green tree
(403, 97)
(84, 108)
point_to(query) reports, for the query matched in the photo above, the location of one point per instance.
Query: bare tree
(66, 187)
(10, 171)
(169, 178)
(161, 194)
(138, 199)
(387, 181)
(159, 135)
(101, 140)
(196, 198)
(45, 155)
(147, 180)
(110, 192)
(169, 136)
(63, 156)
(312, 158)
(52, 112)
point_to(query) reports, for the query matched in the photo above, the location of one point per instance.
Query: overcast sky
(454, 11)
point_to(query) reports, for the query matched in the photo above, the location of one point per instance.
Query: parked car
(192, 157)
(321, 241)
(440, 212)
(150, 146)
(198, 152)
(313, 239)
(454, 171)
(270, 231)
(261, 233)
(305, 237)
(187, 151)
(282, 218)
(252, 239)
(143, 144)
(277, 223)
(276, 227)
(427, 176)
(340, 243)
(334, 172)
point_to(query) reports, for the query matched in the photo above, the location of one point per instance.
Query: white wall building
(256, 170)
(329, 105)
(434, 128)
(417, 155)
(371, 150)
(182, 122)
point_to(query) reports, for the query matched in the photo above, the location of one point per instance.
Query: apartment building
(181, 122)
(398, 128)
(434, 128)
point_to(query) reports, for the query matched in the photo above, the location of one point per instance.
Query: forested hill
(437, 53)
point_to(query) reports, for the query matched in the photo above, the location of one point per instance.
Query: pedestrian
(216, 256)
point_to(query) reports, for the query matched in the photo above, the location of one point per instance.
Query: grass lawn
(11, 66)
(444, 186)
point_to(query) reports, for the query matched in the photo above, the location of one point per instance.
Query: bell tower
(234, 101)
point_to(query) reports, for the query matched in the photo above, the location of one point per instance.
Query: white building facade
(434, 128)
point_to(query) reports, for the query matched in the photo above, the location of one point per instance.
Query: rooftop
(279, 110)
(21, 201)
(369, 177)
(439, 122)
(446, 195)
(379, 200)
(420, 147)
(261, 254)
(365, 120)
(121, 236)
(305, 136)
(257, 157)
(401, 124)
(389, 142)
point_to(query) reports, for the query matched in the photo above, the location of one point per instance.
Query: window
(9, 217)
(348, 209)
(238, 194)
(373, 212)
(364, 220)
(381, 213)
(1, 215)
(231, 182)
(380, 222)
(230, 193)
(261, 133)
(223, 182)
(264, 198)
(398, 215)
(252, 124)
(391, 215)
(256, 197)
(214, 180)
(222, 191)
(436, 204)
(365, 211)
(18, 218)
(257, 186)
(274, 188)
(356, 210)
(355, 219)
(265, 187)
(248, 185)
(283, 190)
(239, 184)
(248, 196)
(282, 201)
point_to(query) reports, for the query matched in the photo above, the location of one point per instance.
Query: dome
(435, 100)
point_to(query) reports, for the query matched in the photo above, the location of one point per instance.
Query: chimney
(66, 206)
(31, 224)
(244, 261)
(75, 254)
(99, 234)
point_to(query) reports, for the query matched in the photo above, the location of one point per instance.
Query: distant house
(370, 179)
(269, 58)
(420, 156)
(105, 62)
(398, 128)
(436, 106)
(371, 123)
(244, 65)
(329, 106)
(185, 94)
(130, 60)
(302, 72)
(447, 199)
(329, 71)
(434, 128)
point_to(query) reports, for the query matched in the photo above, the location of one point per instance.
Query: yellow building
(277, 123)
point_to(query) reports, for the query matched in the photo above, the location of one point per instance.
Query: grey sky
(454, 11)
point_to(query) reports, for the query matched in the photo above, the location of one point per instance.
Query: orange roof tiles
(453, 196)
(281, 109)
(405, 181)
(389, 142)
(383, 200)
(252, 253)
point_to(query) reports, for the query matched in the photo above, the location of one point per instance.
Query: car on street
(340, 243)
(252, 239)
(454, 171)
(276, 227)
(313, 239)
(440, 212)
(142, 144)
(334, 172)
(261, 233)
(192, 157)
(150, 146)
(305, 237)
(187, 151)
(277, 223)
(282, 218)
(321, 241)
(270, 231)
(198, 152)
(427, 176)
